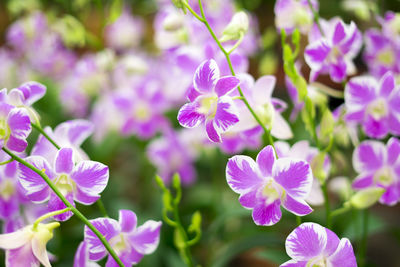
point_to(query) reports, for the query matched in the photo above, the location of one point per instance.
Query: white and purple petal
(19, 122)
(344, 255)
(64, 161)
(226, 84)
(189, 115)
(298, 207)
(369, 156)
(267, 214)
(127, 220)
(146, 237)
(206, 76)
(242, 174)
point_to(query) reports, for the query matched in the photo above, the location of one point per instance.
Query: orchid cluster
(188, 96)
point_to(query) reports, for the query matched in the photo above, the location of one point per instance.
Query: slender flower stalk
(48, 215)
(68, 204)
(40, 130)
(203, 19)
(316, 18)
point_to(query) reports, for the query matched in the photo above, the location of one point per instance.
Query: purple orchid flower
(334, 52)
(210, 103)
(170, 156)
(268, 183)
(234, 142)
(292, 14)
(375, 105)
(15, 125)
(81, 258)
(27, 246)
(379, 166)
(130, 242)
(82, 182)
(67, 134)
(310, 244)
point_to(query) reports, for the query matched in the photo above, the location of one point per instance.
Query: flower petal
(344, 255)
(146, 238)
(55, 204)
(189, 116)
(267, 215)
(369, 156)
(127, 220)
(387, 84)
(294, 263)
(40, 252)
(391, 196)
(265, 160)
(226, 84)
(298, 207)
(19, 122)
(14, 240)
(316, 53)
(363, 181)
(294, 176)
(226, 114)
(206, 76)
(339, 33)
(32, 91)
(393, 150)
(375, 128)
(64, 160)
(306, 242)
(90, 176)
(16, 144)
(359, 92)
(212, 133)
(280, 128)
(77, 130)
(263, 88)
(15, 257)
(242, 174)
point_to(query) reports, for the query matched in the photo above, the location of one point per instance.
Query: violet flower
(130, 242)
(268, 183)
(310, 244)
(379, 166)
(210, 103)
(82, 182)
(374, 104)
(333, 53)
(81, 258)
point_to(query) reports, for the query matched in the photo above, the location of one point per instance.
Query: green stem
(48, 215)
(228, 59)
(193, 12)
(298, 220)
(364, 238)
(237, 43)
(316, 18)
(340, 211)
(68, 204)
(327, 205)
(179, 227)
(102, 209)
(6, 162)
(40, 130)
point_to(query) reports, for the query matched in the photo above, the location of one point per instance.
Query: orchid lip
(7, 189)
(65, 184)
(384, 176)
(272, 191)
(208, 104)
(377, 109)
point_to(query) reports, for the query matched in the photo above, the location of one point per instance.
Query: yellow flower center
(65, 184)
(142, 112)
(7, 189)
(273, 191)
(208, 105)
(384, 176)
(119, 243)
(4, 129)
(377, 109)
(386, 57)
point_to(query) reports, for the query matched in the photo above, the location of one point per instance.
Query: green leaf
(115, 10)
(71, 30)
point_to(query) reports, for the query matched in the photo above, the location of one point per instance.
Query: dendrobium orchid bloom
(379, 166)
(82, 182)
(27, 246)
(333, 51)
(130, 242)
(210, 102)
(310, 244)
(269, 182)
(374, 104)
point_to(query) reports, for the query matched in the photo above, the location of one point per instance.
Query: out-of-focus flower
(334, 52)
(130, 242)
(268, 183)
(82, 182)
(310, 244)
(210, 103)
(391, 25)
(236, 28)
(374, 104)
(234, 142)
(292, 14)
(27, 246)
(379, 166)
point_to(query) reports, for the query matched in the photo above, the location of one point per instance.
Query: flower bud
(367, 197)
(173, 22)
(238, 26)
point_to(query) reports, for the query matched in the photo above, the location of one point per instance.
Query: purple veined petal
(369, 156)
(36, 188)
(265, 160)
(375, 128)
(352, 45)
(393, 150)
(189, 116)
(339, 33)
(81, 258)
(32, 91)
(14, 240)
(249, 200)
(16, 97)
(394, 101)
(19, 122)
(226, 114)
(192, 93)
(267, 215)
(294, 263)
(359, 92)
(226, 84)
(394, 123)
(40, 252)
(146, 237)
(15, 257)
(298, 207)
(263, 88)
(206, 76)
(316, 53)
(332, 242)
(84, 197)
(344, 255)
(5, 109)
(306, 242)
(294, 176)
(43, 147)
(363, 181)
(78, 131)
(391, 196)
(279, 105)
(55, 204)
(355, 116)
(338, 71)
(387, 84)
(90, 176)
(280, 128)
(127, 220)
(64, 160)
(212, 133)
(242, 174)
(133, 257)
(108, 228)
(16, 144)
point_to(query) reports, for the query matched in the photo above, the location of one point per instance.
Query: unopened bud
(173, 22)
(238, 26)
(367, 197)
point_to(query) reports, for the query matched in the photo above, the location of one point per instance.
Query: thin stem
(364, 238)
(298, 220)
(228, 59)
(316, 18)
(193, 12)
(327, 205)
(179, 227)
(68, 204)
(7, 161)
(340, 211)
(48, 215)
(102, 209)
(40, 130)
(237, 43)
